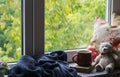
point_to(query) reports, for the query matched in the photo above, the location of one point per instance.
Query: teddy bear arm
(97, 59)
(115, 56)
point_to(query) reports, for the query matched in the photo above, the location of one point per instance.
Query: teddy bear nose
(105, 49)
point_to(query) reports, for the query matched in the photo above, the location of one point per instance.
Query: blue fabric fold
(48, 65)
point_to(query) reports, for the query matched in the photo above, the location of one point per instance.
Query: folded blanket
(47, 65)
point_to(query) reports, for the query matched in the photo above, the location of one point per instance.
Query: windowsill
(70, 53)
(10, 65)
(115, 73)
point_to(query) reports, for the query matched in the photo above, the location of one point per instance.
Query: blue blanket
(48, 65)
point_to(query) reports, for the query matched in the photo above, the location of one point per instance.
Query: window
(32, 29)
(10, 30)
(69, 23)
(33, 42)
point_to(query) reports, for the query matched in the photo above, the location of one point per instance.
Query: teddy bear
(106, 59)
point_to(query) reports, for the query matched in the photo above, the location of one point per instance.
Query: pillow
(104, 32)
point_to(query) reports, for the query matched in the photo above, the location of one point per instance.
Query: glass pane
(10, 30)
(69, 23)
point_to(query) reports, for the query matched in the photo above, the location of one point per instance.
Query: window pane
(10, 30)
(69, 23)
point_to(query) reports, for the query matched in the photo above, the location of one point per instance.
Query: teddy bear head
(105, 47)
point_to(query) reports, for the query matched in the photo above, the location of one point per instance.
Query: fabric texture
(48, 65)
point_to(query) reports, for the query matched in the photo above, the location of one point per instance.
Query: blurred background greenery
(10, 30)
(68, 25)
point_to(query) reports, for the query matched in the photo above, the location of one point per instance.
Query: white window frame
(109, 9)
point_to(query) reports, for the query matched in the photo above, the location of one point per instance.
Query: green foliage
(69, 23)
(10, 30)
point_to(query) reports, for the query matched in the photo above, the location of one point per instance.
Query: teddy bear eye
(106, 45)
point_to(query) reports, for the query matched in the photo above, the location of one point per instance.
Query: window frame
(116, 6)
(109, 9)
(32, 29)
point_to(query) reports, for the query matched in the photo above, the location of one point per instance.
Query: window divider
(38, 27)
(27, 27)
(32, 27)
